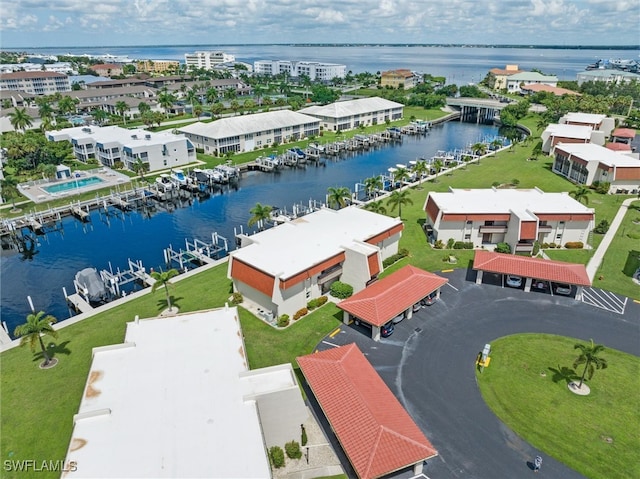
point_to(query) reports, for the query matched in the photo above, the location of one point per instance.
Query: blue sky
(51, 23)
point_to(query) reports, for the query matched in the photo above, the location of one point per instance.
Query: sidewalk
(596, 260)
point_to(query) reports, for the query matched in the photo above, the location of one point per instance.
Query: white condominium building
(314, 70)
(37, 83)
(206, 59)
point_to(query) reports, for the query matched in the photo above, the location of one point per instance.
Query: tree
(37, 325)
(372, 185)
(420, 169)
(140, 167)
(437, 165)
(9, 187)
(217, 108)
(259, 214)
(400, 175)
(166, 101)
(143, 107)
(197, 110)
(99, 116)
(163, 278)
(235, 106)
(67, 105)
(20, 119)
(581, 194)
(122, 107)
(47, 170)
(589, 357)
(337, 196)
(399, 198)
(376, 207)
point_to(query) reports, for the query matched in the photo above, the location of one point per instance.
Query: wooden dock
(79, 213)
(78, 303)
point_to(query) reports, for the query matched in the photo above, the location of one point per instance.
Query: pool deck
(36, 192)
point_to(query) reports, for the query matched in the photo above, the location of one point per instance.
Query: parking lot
(429, 364)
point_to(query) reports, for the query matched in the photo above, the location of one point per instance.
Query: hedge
(574, 245)
(293, 450)
(341, 290)
(300, 313)
(276, 454)
(463, 245)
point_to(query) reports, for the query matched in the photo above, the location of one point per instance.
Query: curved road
(429, 363)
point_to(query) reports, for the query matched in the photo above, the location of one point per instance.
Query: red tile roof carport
(624, 133)
(556, 271)
(375, 431)
(390, 296)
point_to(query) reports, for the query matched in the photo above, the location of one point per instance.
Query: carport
(395, 294)
(530, 269)
(373, 428)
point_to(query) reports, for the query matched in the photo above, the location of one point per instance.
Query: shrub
(603, 188)
(312, 304)
(283, 320)
(536, 248)
(301, 312)
(515, 182)
(545, 245)
(403, 252)
(118, 165)
(458, 245)
(552, 245)
(293, 450)
(602, 227)
(341, 290)
(503, 248)
(276, 454)
(322, 300)
(450, 243)
(633, 235)
(495, 184)
(468, 245)
(303, 438)
(236, 298)
(438, 244)
(574, 245)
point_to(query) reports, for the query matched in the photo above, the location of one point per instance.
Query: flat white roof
(115, 134)
(170, 402)
(591, 118)
(242, 125)
(592, 152)
(582, 132)
(293, 247)
(490, 201)
(341, 109)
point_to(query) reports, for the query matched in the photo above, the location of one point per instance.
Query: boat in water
(178, 178)
(164, 182)
(626, 65)
(91, 286)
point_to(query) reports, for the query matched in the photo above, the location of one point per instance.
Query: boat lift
(114, 281)
(197, 251)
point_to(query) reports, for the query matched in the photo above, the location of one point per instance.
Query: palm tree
(45, 111)
(140, 167)
(9, 189)
(99, 116)
(122, 107)
(163, 278)
(420, 169)
(47, 170)
(216, 109)
(235, 106)
(372, 185)
(166, 101)
(260, 214)
(20, 119)
(37, 326)
(399, 198)
(67, 105)
(337, 196)
(197, 110)
(479, 149)
(437, 165)
(400, 175)
(581, 194)
(143, 107)
(376, 207)
(589, 357)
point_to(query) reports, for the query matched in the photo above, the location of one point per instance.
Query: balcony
(330, 274)
(493, 229)
(544, 229)
(524, 248)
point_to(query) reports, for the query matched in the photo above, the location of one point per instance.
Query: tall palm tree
(20, 119)
(9, 190)
(479, 149)
(45, 111)
(140, 167)
(163, 278)
(143, 107)
(259, 214)
(400, 175)
(420, 169)
(337, 196)
(31, 332)
(399, 198)
(581, 194)
(67, 105)
(437, 165)
(166, 101)
(372, 185)
(122, 107)
(589, 357)
(376, 207)
(235, 106)
(99, 116)
(197, 110)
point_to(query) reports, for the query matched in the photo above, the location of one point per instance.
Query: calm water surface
(57, 256)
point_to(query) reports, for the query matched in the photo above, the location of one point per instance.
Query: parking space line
(334, 333)
(452, 286)
(604, 300)
(331, 344)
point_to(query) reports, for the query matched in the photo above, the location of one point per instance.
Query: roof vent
(148, 136)
(135, 137)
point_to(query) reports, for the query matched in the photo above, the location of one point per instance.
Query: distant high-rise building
(207, 60)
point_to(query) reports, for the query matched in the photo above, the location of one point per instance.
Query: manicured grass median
(597, 435)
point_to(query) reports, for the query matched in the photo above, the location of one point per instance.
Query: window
(469, 222)
(559, 236)
(467, 236)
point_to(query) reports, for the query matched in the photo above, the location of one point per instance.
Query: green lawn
(525, 387)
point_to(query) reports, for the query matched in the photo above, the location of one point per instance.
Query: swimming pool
(75, 184)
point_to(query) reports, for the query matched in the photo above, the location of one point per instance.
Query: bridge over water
(478, 110)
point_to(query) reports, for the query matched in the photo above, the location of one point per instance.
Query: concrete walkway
(596, 260)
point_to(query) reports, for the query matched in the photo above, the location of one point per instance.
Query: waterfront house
(515, 81)
(177, 399)
(519, 217)
(587, 163)
(401, 78)
(279, 270)
(111, 144)
(251, 132)
(36, 83)
(107, 69)
(347, 115)
(497, 77)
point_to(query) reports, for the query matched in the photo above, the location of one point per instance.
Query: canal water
(53, 259)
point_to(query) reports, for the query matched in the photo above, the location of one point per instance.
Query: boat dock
(197, 251)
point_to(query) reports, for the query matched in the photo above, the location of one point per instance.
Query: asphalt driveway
(429, 363)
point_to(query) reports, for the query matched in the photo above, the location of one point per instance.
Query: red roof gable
(618, 146)
(556, 271)
(375, 431)
(624, 133)
(390, 296)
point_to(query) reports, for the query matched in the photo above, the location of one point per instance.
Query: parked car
(398, 318)
(416, 307)
(563, 289)
(540, 285)
(514, 281)
(430, 299)
(387, 330)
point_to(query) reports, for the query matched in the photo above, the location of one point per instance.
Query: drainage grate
(418, 330)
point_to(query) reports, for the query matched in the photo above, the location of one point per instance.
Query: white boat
(214, 175)
(317, 147)
(400, 165)
(164, 182)
(179, 178)
(89, 283)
